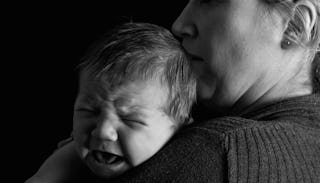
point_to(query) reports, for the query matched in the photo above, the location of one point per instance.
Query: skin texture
(126, 120)
(237, 54)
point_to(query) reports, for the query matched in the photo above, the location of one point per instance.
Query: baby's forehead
(114, 78)
(123, 93)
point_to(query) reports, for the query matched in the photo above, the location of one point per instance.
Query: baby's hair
(143, 51)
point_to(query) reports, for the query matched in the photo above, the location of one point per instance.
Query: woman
(257, 79)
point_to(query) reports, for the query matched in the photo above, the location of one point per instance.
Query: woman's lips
(194, 57)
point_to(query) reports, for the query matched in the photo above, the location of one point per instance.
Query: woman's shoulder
(242, 130)
(283, 148)
(272, 150)
(300, 113)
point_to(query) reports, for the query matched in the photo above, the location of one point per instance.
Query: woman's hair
(296, 33)
(142, 52)
(316, 73)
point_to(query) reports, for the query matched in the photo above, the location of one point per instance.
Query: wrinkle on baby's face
(128, 121)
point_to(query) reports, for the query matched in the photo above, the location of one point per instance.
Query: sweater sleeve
(194, 155)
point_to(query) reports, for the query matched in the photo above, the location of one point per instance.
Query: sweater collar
(304, 107)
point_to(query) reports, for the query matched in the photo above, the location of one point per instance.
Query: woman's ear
(299, 28)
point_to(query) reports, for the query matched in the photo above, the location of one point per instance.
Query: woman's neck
(297, 86)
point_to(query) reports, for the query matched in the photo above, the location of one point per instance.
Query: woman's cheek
(206, 83)
(205, 90)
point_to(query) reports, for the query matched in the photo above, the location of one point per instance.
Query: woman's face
(235, 49)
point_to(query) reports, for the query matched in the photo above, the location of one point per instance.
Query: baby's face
(119, 129)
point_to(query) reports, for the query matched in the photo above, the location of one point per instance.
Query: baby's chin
(106, 166)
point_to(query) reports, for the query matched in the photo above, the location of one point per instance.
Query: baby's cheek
(78, 137)
(80, 140)
(136, 148)
(150, 145)
(81, 150)
(82, 130)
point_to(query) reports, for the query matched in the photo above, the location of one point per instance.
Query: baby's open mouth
(107, 158)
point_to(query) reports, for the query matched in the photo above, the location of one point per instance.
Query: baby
(136, 90)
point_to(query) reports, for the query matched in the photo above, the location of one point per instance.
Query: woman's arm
(193, 155)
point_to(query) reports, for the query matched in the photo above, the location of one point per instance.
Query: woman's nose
(106, 130)
(183, 26)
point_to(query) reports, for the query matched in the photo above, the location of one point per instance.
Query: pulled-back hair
(286, 8)
(316, 73)
(143, 51)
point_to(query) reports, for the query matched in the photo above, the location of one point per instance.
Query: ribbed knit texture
(278, 152)
(281, 145)
(277, 143)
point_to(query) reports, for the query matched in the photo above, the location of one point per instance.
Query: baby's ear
(302, 22)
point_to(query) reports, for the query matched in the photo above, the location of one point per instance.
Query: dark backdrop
(49, 39)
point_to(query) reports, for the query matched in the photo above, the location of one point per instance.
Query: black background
(46, 41)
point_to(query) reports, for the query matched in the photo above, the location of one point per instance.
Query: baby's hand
(62, 166)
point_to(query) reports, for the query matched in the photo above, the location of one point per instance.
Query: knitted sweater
(278, 143)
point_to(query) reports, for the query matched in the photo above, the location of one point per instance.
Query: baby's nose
(105, 130)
